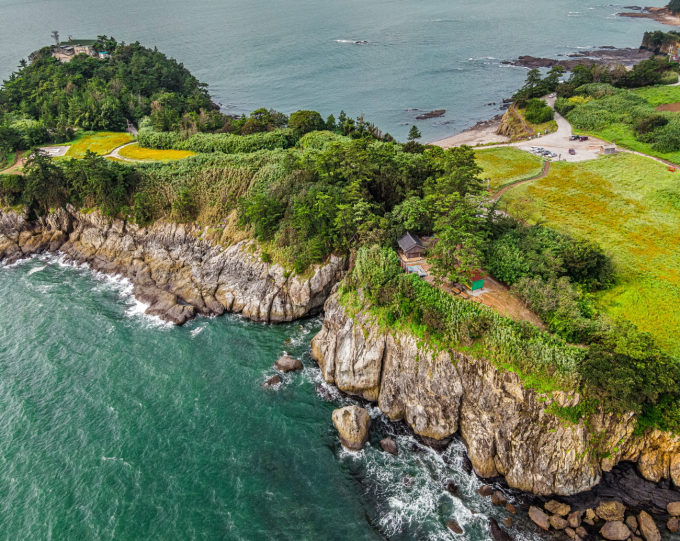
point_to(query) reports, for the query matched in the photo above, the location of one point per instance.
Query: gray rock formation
(353, 424)
(287, 364)
(172, 268)
(505, 426)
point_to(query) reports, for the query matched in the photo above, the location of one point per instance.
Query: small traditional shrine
(412, 246)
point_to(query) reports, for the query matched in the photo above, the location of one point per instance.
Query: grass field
(135, 152)
(630, 205)
(505, 165)
(659, 95)
(98, 142)
(624, 135)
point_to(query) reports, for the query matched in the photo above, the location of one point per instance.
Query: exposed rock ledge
(171, 268)
(506, 427)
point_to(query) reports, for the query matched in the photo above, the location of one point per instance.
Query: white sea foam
(37, 269)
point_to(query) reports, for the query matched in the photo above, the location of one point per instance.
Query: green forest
(306, 188)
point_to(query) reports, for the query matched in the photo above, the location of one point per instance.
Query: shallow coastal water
(115, 426)
(419, 54)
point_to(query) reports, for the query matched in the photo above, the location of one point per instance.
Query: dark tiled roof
(409, 241)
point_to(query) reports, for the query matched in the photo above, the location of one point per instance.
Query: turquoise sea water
(289, 55)
(115, 426)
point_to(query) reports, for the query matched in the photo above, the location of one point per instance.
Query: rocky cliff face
(506, 427)
(171, 268)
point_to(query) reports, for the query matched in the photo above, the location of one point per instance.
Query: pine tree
(674, 6)
(414, 133)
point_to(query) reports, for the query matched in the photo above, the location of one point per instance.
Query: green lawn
(101, 143)
(630, 205)
(505, 165)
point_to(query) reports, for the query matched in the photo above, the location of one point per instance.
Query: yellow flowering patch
(504, 165)
(630, 205)
(101, 143)
(135, 152)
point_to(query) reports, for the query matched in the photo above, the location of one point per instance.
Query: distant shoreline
(661, 15)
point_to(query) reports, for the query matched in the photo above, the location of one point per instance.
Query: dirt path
(499, 193)
(114, 153)
(14, 169)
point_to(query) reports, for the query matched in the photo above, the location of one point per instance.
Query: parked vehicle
(583, 138)
(574, 138)
(572, 151)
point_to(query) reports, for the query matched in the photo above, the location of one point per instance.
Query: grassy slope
(98, 142)
(631, 206)
(135, 152)
(624, 136)
(505, 165)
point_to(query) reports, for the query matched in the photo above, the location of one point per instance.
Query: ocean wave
(355, 42)
(38, 269)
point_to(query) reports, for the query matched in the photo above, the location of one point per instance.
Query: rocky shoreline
(172, 267)
(507, 429)
(605, 56)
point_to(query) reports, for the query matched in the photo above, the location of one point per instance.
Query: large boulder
(673, 509)
(611, 511)
(498, 533)
(352, 424)
(288, 364)
(558, 522)
(615, 531)
(497, 498)
(454, 526)
(389, 446)
(557, 508)
(574, 519)
(539, 517)
(647, 527)
(673, 524)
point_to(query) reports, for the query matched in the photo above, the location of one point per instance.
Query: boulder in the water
(288, 364)
(389, 446)
(454, 526)
(451, 487)
(485, 490)
(498, 533)
(352, 424)
(497, 498)
(272, 381)
(510, 508)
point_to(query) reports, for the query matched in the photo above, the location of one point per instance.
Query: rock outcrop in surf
(508, 429)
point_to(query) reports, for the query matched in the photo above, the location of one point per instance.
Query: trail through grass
(505, 165)
(101, 143)
(135, 152)
(631, 206)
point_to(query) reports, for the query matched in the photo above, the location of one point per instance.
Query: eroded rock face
(506, 427)
(172, 269)
(353, 424)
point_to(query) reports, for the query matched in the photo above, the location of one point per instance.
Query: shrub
(218, 142)
(537, 112)
(564, 106)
